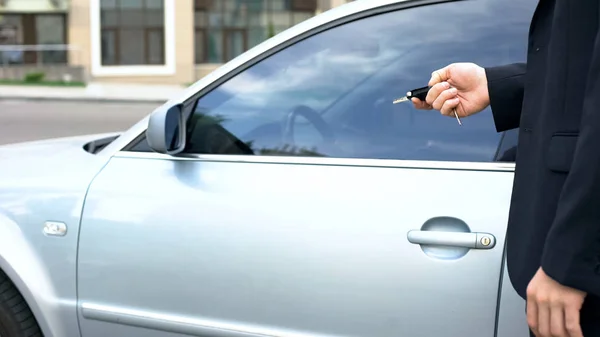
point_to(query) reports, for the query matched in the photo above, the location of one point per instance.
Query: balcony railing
(35, 5)
(36, 54)
(58, 62)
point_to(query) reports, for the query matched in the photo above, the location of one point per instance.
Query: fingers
(557, 320)
(448, 109)
(553, 309)
(421, 105)
(532, 316)
(572, 325)
(439, 85)
(552, 318)
(435, 92)
(444, 96)
(543, 324)
(439, 76)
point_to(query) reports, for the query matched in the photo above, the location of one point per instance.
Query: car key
(421, 93)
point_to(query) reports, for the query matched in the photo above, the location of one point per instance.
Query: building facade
(143, 41)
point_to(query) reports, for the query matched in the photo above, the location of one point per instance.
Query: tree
(271, 31)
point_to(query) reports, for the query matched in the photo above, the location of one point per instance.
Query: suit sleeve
(572, 249)
(506, 87)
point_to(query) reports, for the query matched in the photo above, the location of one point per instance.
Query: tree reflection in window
(208, 136)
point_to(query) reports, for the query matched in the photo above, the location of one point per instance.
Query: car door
(305, 203)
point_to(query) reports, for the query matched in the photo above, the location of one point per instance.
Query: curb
(84, 99)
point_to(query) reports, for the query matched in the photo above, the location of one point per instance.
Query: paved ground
(32, 120)
(95, 92)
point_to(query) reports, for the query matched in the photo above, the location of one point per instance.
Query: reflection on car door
(219, 248)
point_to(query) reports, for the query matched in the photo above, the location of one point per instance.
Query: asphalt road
(33, 120)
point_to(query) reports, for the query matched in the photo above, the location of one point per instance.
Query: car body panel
(323, 251)
(512, 319)
(45, 181)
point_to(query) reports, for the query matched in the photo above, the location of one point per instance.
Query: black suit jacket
(554, 99)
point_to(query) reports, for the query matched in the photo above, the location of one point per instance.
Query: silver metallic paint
(444, 165)
(41, 181)
(341, 267)
(156, 134)
(48, 181)
(178, 324)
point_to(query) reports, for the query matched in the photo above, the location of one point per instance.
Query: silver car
(282, 195)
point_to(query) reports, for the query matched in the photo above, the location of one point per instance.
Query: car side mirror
(166, 130)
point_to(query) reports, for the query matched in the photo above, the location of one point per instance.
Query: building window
(19, 30)
(132, 32)
(226, 28)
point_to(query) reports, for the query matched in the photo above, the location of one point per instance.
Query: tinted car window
(507, 152)
(331, 94)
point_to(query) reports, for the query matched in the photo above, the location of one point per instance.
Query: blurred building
(141, 41)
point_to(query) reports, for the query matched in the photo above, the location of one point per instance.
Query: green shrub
(34, 77)
(271, 30)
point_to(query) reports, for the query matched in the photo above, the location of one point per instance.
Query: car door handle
(452, 239)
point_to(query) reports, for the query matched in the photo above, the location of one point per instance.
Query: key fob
(420, 93)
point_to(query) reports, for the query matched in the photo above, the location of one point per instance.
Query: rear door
(306, 204)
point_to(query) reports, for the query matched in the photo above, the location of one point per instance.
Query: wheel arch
(18, 261)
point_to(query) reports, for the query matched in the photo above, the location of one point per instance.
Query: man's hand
(460, 85)
(553, 309)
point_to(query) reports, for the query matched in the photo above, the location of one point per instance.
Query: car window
(331, 94)
(507, 152)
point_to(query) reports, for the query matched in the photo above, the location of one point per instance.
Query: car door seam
(85, 196)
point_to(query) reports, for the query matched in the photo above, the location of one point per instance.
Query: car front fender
(20, 263)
